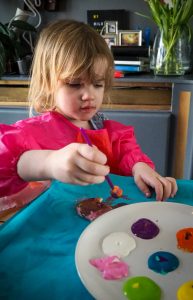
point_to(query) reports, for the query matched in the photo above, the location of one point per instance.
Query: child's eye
(73, 84)
(99, 84)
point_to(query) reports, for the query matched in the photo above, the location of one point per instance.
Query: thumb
(143, 187)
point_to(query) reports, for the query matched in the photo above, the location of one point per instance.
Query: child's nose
(88, 93)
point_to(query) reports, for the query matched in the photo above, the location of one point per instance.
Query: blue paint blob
(163, 262)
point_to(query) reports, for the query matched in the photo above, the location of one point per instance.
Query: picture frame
(130, 38)
(111, 27)
(111, 39)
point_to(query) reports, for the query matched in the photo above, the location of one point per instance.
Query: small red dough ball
(116, 192)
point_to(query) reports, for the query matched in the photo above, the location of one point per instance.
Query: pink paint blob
(111, 267)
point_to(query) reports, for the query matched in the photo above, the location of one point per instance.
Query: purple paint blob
(145, 229)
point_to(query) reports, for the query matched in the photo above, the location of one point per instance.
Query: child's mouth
(88, 109)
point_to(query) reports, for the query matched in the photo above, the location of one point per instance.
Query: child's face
(80, 99)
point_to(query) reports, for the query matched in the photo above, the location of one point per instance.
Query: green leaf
(142, 15)
(4, 29)
(23, 25)
(171, 20)
(5, 40)
(187, 12)
(2, 59)
(176, 7)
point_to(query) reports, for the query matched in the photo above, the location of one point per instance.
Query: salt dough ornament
(92, 208)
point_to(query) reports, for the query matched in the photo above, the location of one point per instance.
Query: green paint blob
(141, 288)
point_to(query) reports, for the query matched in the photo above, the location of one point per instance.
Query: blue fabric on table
(37, 245)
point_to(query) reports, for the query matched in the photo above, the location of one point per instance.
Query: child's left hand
(146, 178)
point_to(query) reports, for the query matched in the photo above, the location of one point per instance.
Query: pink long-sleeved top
(53, 131)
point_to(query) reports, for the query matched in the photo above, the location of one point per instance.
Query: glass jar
(171, 60)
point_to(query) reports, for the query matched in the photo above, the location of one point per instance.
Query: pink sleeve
(12, 145)
(125, 148)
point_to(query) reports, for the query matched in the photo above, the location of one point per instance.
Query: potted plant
(13, 47)
(172, 45)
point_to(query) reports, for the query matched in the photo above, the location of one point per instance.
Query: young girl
(72, 74)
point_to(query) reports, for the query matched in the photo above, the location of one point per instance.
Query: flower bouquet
(171, 51)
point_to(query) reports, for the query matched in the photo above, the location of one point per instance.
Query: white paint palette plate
(170, 217)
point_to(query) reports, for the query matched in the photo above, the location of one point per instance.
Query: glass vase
(173, 60)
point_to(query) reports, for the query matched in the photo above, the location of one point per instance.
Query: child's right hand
(77, 164)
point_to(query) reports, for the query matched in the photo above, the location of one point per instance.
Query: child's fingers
(168, 186)
(143, 187)
(92, 154)
(82, 178)
(174, 186)
(165, 186)
(90, 166)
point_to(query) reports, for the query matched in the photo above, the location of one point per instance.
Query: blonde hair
(66, 49)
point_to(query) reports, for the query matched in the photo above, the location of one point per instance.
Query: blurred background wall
(77, 9)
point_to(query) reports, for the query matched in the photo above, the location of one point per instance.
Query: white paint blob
(118, 243)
